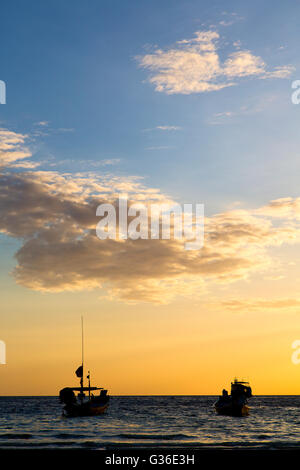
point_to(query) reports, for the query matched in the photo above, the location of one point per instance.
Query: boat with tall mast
(82, 405)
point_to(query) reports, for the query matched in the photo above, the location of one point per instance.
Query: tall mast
(82, 344)
(82, 358)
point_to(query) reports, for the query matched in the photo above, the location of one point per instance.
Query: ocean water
(143, 422)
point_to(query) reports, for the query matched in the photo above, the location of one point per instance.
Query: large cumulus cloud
(54, 217)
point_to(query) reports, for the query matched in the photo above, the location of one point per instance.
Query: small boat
(82, 405)
(236, 403)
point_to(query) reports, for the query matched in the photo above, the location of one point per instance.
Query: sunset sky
(167, 101)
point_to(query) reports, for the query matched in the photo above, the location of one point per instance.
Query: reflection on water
(36, 422)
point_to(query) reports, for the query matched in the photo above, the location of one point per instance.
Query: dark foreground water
(142, 422)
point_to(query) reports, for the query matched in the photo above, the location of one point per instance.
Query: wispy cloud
(168, 128)
(220, 118)
(109, 162)
(42, 123)
(86, 163)
(13, 150)
(245, 110)
(194, 66)
(43, 128)
(261, 305)
(230, 18)
(163, 128)
(160, 147)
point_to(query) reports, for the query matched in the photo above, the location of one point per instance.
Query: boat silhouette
(235, 404)
(82, 405)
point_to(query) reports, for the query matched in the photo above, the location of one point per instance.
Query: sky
(174, 101)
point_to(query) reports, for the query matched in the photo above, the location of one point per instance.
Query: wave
(69, 436)
(166, 437)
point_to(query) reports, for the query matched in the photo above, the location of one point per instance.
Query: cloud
(221, 118)
(243, 64)
(168, 128)
(284, 208)
(232, 18)
(194, 66)
(87, 163)
(53, 215)
(26, 165)
(42, 123)
(261, 305)
(106, 162)
(13, 149)
(43, 129)
(163, 128)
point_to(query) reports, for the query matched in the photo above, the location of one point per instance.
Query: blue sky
(73, 64)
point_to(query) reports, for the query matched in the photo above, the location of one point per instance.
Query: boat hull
(86, 409)
(232, 409)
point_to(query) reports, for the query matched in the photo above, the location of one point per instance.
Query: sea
(158, 422)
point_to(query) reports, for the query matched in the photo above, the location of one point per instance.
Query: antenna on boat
(89, 377)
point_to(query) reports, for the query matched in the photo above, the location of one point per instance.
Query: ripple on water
(36, 422)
